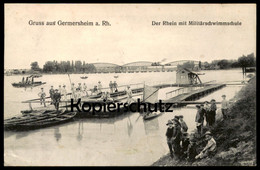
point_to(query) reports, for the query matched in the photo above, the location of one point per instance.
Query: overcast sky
(131, 36)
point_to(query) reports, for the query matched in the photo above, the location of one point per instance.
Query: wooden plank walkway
(193, 95)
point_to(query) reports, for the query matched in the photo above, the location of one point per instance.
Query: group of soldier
(184, 146)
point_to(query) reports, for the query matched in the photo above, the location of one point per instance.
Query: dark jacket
(56, 97)
(192, 152)
(169, 132)
(177, 132)
(184, 126)
(51, 92)
(199, 116)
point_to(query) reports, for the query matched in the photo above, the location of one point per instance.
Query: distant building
(185, 76)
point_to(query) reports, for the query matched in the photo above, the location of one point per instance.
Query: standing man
(207, 112)
(224, 106)
(99, 87)
(184, 127)
(80, 87)
(85, 89)
(202, 113)
(115, 86)
(51, 91)
(111, 87)
(56, 99)
(169, 136)
(199, 120)
(129, 95)
(177, 137)
(73, 90)
(42, 96)
(60, 89)
(212, 112)
(64, 94)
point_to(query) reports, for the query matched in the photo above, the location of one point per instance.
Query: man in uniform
(56, 99)
(129, 95)
(73, 90)
(111, 87)
(85, 89)
(42, 96)
(51, 94)
(64, 94)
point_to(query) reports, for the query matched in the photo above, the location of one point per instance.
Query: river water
(126, 140)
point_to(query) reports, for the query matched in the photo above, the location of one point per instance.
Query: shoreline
(236, 141)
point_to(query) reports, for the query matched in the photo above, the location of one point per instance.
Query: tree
(35, 66)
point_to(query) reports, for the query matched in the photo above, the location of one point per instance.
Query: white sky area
(131, 36)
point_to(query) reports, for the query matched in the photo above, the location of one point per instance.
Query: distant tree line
(64, 67)
(243, 62)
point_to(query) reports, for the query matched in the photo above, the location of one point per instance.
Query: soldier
(199, 120)
(56, 99)
(60, 89)
(42, 96)
(177, 136)
(129, 95)
(212, 112)
(51, 91)
(73, 90)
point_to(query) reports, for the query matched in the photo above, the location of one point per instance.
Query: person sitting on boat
(129, 95)
(56, 99)
(115, 86)
(42, 96)
(99, 87)
(103, 97)
(51, 91)
(111, 87)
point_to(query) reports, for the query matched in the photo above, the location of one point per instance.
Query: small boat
(30, 117)
(85, 77)
(62, 118)
(115, 76)
(152, 115)
(37, 83)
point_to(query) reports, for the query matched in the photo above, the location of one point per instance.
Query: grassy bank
(235, 136)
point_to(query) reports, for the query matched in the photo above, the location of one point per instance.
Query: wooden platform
(196, 94)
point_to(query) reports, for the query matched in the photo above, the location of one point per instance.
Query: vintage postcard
(129, 84)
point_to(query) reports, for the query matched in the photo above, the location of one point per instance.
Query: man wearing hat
(129, 95)
(184, 144)
(192, 150)
(176, 136)
(73, 90)
(51, 91)
(184, 127)
(210, 148)
(169, 136)
(207, 112)
(199, 120)
(42, 96)
(212, 112)
(56, 99)
(224, 106)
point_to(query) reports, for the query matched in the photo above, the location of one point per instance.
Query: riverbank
(235, 136)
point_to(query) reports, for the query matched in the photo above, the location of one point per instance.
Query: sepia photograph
(129, 84)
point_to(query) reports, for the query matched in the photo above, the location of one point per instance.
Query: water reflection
(57, 133)
(151, 126)
(80, 131)
(21, 135)
(129, 126)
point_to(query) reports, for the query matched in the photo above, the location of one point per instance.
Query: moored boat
(20, 84)
(84, 77)
(31, 117)
(152, 115)
(61, 118)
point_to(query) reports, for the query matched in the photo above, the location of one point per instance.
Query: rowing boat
(152, 115)
(37, 83)
(85, 77)
(62, 118)
(27, 118)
